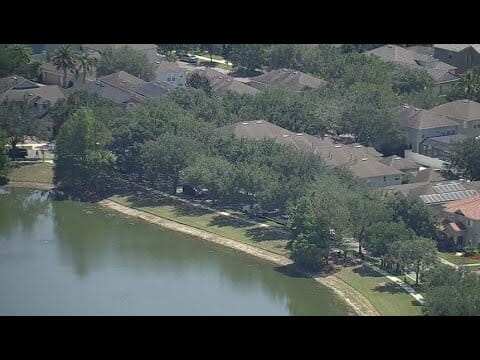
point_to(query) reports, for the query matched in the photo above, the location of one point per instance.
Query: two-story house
(170, 73)
(421, 124)
(462, 220)
(465, 112)
(462, 56)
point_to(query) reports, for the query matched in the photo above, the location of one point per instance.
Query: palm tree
(64, 59)
(86, 64)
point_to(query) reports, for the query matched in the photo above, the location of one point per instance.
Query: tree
(17, 60)
(18, 121)
(213, 49)
(249, 56)
(449, 292)
(199, 81)
(86, 64)
(414, 214)
(125, 59)
(83, 162)
(64, 59)
(166, 157)
(417, 254)
(4, 165)
(464, 157)
(468, 87)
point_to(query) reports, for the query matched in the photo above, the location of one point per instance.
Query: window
(469, 223)
(173, 78)
(169, 79)
(397, 177)
(384, 178)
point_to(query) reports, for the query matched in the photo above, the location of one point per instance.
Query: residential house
(126, 90)
(149, 50)
(222, 83)
(170, 73)
(462, 56)
(439, 147)
(287, 79)
(462, 220)
(50, 75)
(364, 162)
(442, 74)
(420, 124)
(16, 82)
(465, 112)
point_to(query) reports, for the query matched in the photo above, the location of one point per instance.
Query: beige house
(462, 221)
(465, 112)
(49, 75)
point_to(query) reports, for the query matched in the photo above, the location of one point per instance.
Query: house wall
(463, 60)
(380, 181)
(49, 78)
(416, 136)
(472, 231)
(174, 78)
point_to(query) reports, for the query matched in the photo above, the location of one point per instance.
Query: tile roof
(287, 78)
(469, 207)
(415, 118)
(222, 83)
(363, 161)
(459, 110)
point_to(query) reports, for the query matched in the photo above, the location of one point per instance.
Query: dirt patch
(351, 296)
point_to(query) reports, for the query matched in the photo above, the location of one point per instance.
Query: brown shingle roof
(399, 163)
(398, 54)
(459, 110)
(332, 153)
(457, 47)
(167, 67)
(51, 93)
(411, 117)
(222, 83)
(15, 82)
(122, 80)
(287, 78)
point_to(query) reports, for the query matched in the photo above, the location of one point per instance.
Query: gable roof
(153, 89)
(287, 78)
(362, 161)
(415, 118)
(118, 96)
(50, 93)
(469, 207)
(457, 47)
(222, 83)
(163, 67)
(399, 163)
(459, 110)
(398, 54)
(122, 80)
(16, 82)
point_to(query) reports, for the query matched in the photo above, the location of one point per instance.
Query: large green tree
(450, 292)
(125, 59)
(64, 59)
(199, 81)
(4, 165)
(249, 56)
(464, 157)
(86, 63)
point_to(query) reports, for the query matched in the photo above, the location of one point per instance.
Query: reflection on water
(74, 258)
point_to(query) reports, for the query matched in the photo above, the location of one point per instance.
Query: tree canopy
(125, 59)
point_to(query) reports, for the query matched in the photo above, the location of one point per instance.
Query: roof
(398, 54)
(448, 139)
(118, 96)
(51, 93)
(428, 175)
(102, 47)
(122, 80)
(399, 163)
(222, 83)
(363, 161)
(422, 50)
(153, 89)
(163, 67)
(15, 82)
(470, 207)
(287, 78)
(415, 118)
(457, 47)
(459, 110)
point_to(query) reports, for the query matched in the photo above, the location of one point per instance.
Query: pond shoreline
(357, 302)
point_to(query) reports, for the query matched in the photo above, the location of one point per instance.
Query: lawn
(388, 298)
(457, 260)
(272, 238)
(40, 173)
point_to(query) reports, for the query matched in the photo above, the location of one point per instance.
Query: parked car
(189, 59)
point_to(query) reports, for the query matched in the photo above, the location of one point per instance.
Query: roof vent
(338, 146)
(245, 123)
(397, 158)
(299, 134)
(286, 70)
(124, 81)
(390, 46)
(286, 135)
(417, 109)
(30, 94)
(465, 100)
(258, 122)
(364, 159)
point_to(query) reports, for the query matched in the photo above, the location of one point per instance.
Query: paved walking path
(213, 60)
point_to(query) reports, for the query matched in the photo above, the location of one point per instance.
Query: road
(207, 58)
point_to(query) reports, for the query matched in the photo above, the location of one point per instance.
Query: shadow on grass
(245, 73)
(416, 303)
(221, 221)
(267, 233)
(389, 287)
(365, 271)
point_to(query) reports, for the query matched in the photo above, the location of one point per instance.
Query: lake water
(71, 258)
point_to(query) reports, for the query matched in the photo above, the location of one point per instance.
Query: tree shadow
(365, 271)
(245, 73)
(389, 287)
(221, 221)
(267, 233)
(189, 210)
(292, 270)
(415, 303)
